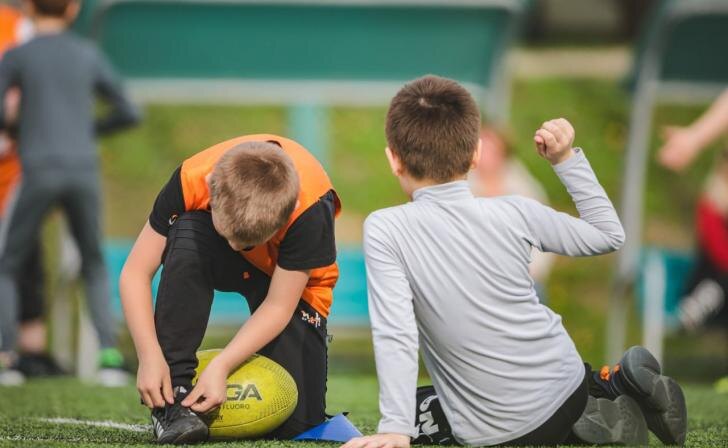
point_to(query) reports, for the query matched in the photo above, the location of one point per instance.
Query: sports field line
(45, 441)
(100, 424)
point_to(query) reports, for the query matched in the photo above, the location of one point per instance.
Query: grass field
(30, 415)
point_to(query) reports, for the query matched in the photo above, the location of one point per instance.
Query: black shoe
(177, 424)
(10, 376)
(39, 365)
(613, 422)
(660, 397)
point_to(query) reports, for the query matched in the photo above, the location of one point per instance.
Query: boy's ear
(394, 163)
(207, 179)
(72, 11)
(476, 154)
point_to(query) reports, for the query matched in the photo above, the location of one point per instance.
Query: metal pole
(308, 124)
(635, 174)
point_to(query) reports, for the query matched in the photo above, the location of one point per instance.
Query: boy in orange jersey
(254, 215)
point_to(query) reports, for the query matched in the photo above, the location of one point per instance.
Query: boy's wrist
(149, 351)
(567, 164)
(696, 137)
(223, 363)
(563, 157)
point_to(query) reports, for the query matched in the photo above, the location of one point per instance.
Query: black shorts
(197, 261)
(434, 429)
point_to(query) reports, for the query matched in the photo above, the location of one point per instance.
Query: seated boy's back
(465, 261)
(449, 272)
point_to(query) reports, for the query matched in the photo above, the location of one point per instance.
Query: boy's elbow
(133, 116)
(617, 239)
(131, 275)
(126, 277)
(126, 115)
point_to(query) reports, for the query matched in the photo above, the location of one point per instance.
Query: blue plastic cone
(336, 429)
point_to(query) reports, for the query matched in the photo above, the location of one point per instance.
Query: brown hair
(53, 8)
(433, 126)
(253, 192)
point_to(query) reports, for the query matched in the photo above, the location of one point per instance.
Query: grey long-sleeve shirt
(448, 273)
(59, 76)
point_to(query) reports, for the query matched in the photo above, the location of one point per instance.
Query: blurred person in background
(704, 301)
(34, 360)
(59, 76)
(705, 298)
(500, 173)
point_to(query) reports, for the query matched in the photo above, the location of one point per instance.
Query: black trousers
(705, 269)
(197, 261)
(31, 284)
(434, 429)
(78, 194)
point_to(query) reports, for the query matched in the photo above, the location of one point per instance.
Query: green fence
(347, 52)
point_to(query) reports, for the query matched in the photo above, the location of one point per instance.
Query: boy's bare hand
(5, 145)
(154, 382)
(379, 441)
(554, 140)
(680, 148)
(12, 106)
(210, 391)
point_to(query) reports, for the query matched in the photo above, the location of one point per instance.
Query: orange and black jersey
(309, 242)
(306, 242)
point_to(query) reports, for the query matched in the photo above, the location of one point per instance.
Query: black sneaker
(113, 371)
(9, 374)
(10, 377)
(177, 424)
(660, 397)
(612, 422)
(39, 365)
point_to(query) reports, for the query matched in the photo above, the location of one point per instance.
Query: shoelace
(177, 410)
(605, 373)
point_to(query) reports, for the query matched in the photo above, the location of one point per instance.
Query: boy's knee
(11, 264)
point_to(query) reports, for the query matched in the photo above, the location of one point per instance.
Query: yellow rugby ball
(261, 395)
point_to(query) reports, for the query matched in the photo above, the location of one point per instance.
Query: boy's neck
(49, 25)
(410, 185)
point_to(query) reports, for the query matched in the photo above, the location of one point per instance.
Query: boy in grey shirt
(59, 76)
(448, 274)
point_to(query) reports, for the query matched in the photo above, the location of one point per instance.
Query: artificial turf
(23, 411)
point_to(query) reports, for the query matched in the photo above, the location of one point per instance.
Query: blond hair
(253, 192)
